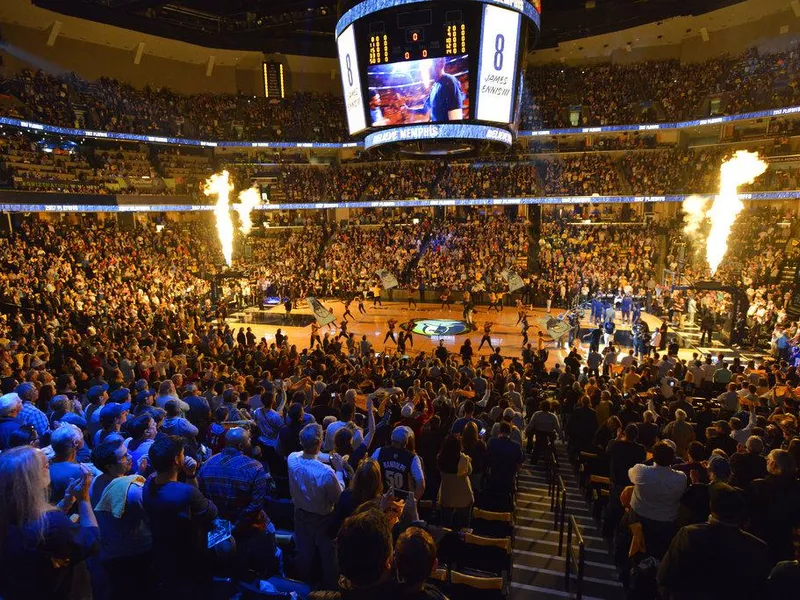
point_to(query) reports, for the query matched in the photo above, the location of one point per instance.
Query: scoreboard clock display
(414, 69)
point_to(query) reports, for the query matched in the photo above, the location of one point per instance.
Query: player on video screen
(446, 99)
(375, 111)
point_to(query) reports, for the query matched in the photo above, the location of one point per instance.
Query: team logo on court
(437, 327)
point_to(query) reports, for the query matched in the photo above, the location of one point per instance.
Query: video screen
(431, 90)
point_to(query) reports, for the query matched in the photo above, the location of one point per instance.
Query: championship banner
(513, 280)
(388, 281)
(321, 314)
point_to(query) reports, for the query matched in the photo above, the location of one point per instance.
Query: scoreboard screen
(409, 64)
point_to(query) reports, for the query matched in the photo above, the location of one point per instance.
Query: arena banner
(477, 131)
(513, 280)
(388, 281)
(321, 314)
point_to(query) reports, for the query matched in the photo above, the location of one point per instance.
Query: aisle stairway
(538, 569)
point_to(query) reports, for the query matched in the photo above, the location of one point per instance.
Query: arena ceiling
(306, 26)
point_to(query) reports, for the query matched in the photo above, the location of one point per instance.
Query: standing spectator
(750, 464)
(66, 442)
(503, 459)
(180, 519)
(680, 432)
(42, 551)
(10, 407)
(401, 468)
(624, 453)
(315, 488)
(656, 497)
(716, 560)
(126, 541)
(774, 505)
(237, 485)
(455, 491)
(30, 415)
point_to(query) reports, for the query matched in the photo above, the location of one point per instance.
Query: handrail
(561, 514)
(573, 558)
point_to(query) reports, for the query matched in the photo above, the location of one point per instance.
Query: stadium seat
(484, 555)
(492, 524)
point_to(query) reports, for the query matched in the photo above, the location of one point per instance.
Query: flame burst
(219, 185)
(743, 168)
(248, 200)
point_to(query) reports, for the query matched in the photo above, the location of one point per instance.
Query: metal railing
(574, 558)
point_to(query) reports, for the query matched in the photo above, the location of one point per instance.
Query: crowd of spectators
(578, 260)
(653, 91)
(760, 245)
(470, 255)
(111, 105)
(349, 262)
(701, 457)
(650, 91)
(130, 404)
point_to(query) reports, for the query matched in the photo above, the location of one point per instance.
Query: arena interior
(477, 317)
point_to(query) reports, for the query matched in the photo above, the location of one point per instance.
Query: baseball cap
(121, 395)
(25, 388)
(141, 384)
(407, 411)
(110, 412)
(141, 397)
(400, 434)
(96, 391)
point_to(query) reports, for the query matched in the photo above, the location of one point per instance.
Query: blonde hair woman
(42, 551)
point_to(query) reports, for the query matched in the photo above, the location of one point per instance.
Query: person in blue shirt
(627, 305)
(446, 99)
(597, 310)
(637, 314)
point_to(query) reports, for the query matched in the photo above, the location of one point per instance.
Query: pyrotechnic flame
(248, 200)
(743, 168)
(219, 185)
(695, 209)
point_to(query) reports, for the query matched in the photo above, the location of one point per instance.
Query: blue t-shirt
(446, 95)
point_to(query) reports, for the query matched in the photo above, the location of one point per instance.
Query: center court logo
(437, 327)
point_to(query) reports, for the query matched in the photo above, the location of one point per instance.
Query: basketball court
(429, 324)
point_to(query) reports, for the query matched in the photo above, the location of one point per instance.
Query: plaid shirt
(30, 415)
(237, 484)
